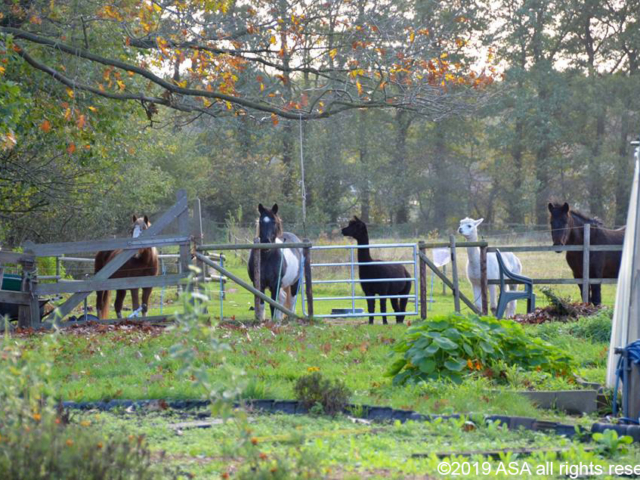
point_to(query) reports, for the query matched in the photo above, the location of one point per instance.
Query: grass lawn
(341, 449)
(101, 363)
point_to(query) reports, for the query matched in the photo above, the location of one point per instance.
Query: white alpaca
(469, 230)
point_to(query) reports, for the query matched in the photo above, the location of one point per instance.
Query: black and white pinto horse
(279, 268)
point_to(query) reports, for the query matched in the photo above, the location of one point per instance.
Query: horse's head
(270, 224)
(560, 221)
(140, 224)
(469, 228)
(356, 228)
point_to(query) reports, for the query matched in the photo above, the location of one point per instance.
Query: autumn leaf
(67, 114)
(359, 87)
(71, 148)
(45, 126)
(333, 53)
(81, 122)
(274, 119)
(93, 109)
(70, 92)
(9, 141)
(273, 40)
(121, 84)
(2, 70)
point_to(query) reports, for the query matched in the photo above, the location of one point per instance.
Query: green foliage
(454, 346)
(610, 444)
(596, 328)
(37, 441)
(321, 394)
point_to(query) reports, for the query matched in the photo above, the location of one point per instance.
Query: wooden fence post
(29, 315)
(198, 236)
(308, 286)
(454, 273)
(183, 228)
(585, 263)
(483, 280)
(423, 281)
(256, 279)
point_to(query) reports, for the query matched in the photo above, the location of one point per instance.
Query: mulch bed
(551, 314)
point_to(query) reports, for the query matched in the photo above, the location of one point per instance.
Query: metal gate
(351, 264)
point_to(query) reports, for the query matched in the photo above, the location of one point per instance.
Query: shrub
(37, 441)
(596, 328)
(316, 392)
(454, 346)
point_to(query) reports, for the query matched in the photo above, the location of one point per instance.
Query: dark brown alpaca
(567, 228)
(358, 230)
(143, 264)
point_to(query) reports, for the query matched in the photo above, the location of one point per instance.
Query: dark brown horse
(143, 264)
(567, 228)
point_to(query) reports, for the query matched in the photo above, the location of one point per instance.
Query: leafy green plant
(38, 441)
(610, 444)
(314, 390)
(454, 346)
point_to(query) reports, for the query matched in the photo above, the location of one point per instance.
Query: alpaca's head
(356, 229)
(469, 228)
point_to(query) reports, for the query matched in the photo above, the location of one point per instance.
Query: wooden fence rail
(484, 247)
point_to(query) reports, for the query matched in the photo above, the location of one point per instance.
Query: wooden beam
(561, 281)
(16, 298)
(308, 281)
(447, 282)
(257, 304)
(454, 273)
(93, 285)
(483, 281)
(246, 286)
(7, 256)
(58, 249)
(585, 262)
(423, 282)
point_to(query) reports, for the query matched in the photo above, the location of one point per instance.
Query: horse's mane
(582, 216)
(279, 228)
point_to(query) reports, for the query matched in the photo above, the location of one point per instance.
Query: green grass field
(101, 363)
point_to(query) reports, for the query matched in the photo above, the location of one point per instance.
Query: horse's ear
(134, 218)
(146, 220)
(356, 219)
(260, 208)
(550, 207)
(478, 222)
(565, 208)
(274, 209)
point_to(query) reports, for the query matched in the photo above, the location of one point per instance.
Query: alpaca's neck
(363, 253)
(473, 252)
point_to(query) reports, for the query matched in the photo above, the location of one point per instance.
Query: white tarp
(626, 324)
(441, 256)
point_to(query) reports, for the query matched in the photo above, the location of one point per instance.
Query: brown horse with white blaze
(144, 263)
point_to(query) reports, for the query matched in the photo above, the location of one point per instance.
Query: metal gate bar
(352, 281)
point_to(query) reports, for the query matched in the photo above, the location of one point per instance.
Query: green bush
(596, 328)
(41, 446)
(454, 346)
(39, 442)
(322, 395)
